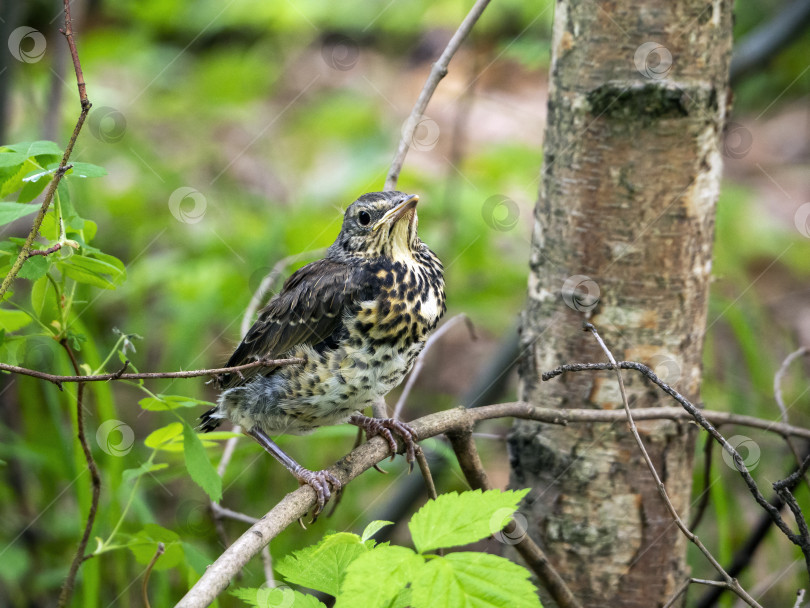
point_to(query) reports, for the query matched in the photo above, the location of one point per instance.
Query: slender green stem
(104, 363)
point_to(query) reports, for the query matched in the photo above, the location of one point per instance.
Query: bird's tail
(210, 420)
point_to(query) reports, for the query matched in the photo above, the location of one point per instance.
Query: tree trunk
(623, 236)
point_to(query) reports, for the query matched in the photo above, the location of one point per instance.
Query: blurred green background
(234, 134)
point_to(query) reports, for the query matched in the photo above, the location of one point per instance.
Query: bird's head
(379, 224)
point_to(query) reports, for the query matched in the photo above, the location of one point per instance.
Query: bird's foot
(385, 427)
(320, 482)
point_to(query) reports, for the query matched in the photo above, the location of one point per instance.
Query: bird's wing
(308, 310)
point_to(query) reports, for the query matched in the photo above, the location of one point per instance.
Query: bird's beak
(393, 215)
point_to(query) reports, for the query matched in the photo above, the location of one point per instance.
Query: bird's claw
(386, 427)
(319, 481)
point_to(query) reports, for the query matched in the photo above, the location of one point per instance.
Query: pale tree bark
(623, 237)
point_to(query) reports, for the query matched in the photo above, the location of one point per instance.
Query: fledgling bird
(359, 317)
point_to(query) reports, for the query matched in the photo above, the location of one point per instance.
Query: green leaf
(146, 467)
(12, 320)
(39, 295)
(323, 566)
(170, 402)
(281, 597)
(87, 170)
(459, 519)
(10, 212)
(376, 577)
(473, 579)
(36, 175)
(144, 545)
(373, 528)
(199, 467)
(38, 148)
(195, 558)
(158, 438)
(102, 273)
(12, 159)
(35, 267)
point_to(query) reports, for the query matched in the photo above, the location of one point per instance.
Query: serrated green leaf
(158, 438)
(199, 467)
(323, 566)
(144, 545)
(10, 212)
(92, 271)
(87, 170)
(459, 519)
(31, 189)
(473, 579)
(12, 159)
(12, 320)
(374, 527)
(38, 148)
(376, 577)
(170, 402)
(147, 467)
(277, 597)
(35, 267)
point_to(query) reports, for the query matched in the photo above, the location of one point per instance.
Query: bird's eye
(364, 218)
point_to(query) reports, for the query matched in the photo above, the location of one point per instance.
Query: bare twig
(267, 283)
(470, 463)
(682, 589)
(222, 512)
(425, 468)
(63, 164)
(58, 380)
(78, 558)
(731, 582)
(47, 251)
(780, 401)
(420, 360)
(161, 548)
(437, 72)
(799, 598)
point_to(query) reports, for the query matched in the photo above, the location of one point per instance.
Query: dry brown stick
(58, 380)
(733, 584)
(682, 589)
(78, 558)
(437, 72)
(470, 463)
(63, 164)
(145, 585)
(424, 467)
(296, 504)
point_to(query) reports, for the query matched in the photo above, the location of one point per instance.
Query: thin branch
(420, 360)
(780, 401)
(470, 463)
(161, 548)
(802, 541)
(799, 598)
(63, 164)
(437, 72)
(222, 512)
(78, 558)
(732, 583)
(682, 589)
(47, 251)
(424, 467)
(58, 380)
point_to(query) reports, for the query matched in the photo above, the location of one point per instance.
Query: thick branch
(58, 380)
(437, 72)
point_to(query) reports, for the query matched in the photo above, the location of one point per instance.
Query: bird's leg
(384, 428)
(317, 480)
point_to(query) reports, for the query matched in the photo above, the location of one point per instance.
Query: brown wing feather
(308, 309)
